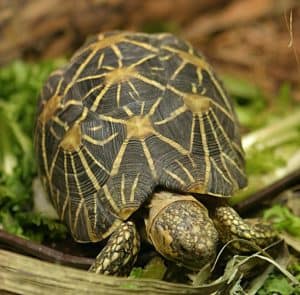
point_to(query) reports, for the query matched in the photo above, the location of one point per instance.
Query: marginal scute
(196, 188)
(50, 108)
(72, 139)
(126, 212)
(190, 58)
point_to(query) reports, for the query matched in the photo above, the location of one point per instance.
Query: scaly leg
(231, 226)
(120, 252)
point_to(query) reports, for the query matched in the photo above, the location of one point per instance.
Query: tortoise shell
(129, 113)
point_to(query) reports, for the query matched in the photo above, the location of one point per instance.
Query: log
(25, 275)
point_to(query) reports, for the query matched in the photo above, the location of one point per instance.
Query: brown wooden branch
(269, 192)
(43, 252)
(24, 275)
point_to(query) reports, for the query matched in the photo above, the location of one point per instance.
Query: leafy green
(272, 152)
(155, 269)
(283, 219)
(249, 101)
(254, 108)
(263, 161)
(278, 284)
(20, 84)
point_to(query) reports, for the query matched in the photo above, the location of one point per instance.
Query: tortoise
(140, 123)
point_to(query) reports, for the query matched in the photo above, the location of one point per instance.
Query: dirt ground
(258, 40)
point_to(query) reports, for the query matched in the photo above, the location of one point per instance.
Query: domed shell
(129, 113)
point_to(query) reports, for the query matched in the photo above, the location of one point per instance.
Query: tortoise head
(180, 229)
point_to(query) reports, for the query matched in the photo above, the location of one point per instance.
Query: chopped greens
(278, 284)
(253, 107)
(20, 84)
(155, 269)
(283, 219)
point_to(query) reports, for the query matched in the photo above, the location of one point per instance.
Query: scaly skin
(180, 229)
(231, 226)
(120, 252)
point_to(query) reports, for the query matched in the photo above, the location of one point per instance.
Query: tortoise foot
(120, 252)
(231, 226)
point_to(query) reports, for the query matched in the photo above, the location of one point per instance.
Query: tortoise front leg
(120, 252)
(231, 226)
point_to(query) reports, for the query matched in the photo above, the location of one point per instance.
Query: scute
(129, 113)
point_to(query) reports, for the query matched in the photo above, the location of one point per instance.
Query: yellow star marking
(142, 108)
(220, 171)
(233, 145)
(206, 151)
(232, 179)
(192, 134)
(95, 160)
(72, 140)
(110, 199)
(77, 213)
(176, 177)
(173, 144)
(79, 71)
(44, 154)
(122, 189)
(133, 188)
(155, 106)
(118, 75)
(67, 197)
(102, 42)
(61, 123)
(88, 171)
(117, 52)
(139, 127)
(49, 108)
(53, 165)
(142, 60)
(178, 70)
(133, 88)
(128, 111)
(81, 203)
(173, 115)
(91, 91)
(118, 95)
(187, 172)
(196, 103)
(100, 60)
(238, 148)
(118, 159)
(149, 159)
(53, 132)
(202, 64)
(143, 45)
(100, 142)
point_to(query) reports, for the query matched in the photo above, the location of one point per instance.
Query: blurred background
(257, 39)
